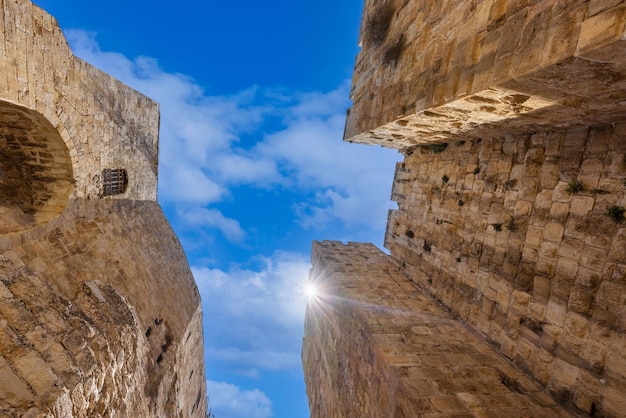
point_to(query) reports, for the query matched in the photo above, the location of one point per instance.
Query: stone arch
(36, 176)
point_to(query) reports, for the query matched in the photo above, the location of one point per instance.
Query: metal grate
(115, 181)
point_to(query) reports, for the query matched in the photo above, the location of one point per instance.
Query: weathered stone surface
(561, 274)
(481, 69)
(377, 346)
(510, 115)
(99, 313)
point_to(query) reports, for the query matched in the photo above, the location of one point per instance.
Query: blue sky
(252, 164)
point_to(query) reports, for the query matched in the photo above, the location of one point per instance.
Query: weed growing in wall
(574, 186)
(616, 213)
(378, 23)
(497, 227)
(394, 51)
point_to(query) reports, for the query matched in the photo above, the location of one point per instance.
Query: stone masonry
(99, 313)
(511, 200)
(393, 351)
(446, 70)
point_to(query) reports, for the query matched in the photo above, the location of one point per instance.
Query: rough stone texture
(390, 350)
(548, 288)
(99, 313)
(510, 114)
(103, 123)
(450, 70)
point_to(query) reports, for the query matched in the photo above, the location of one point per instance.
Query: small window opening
(115, 181)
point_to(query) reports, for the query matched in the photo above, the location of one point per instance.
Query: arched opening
(35, 169)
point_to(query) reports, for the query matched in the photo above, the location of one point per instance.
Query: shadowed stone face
(35, 169)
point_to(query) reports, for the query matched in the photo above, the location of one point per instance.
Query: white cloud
(190, 185)
(254, 318)
(211, 218)
(212, 147)
(352, 182)
(301, 150)
(230, 401)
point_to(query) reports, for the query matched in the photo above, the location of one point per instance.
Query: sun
(311, 290)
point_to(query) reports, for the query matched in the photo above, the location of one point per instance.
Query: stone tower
(99, 313)
(504, 293)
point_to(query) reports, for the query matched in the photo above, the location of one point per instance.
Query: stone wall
(103, 123)
(448, 70)
(99, 315)
(99, 312)
(376, 346)
(490, 228)
(511, 203)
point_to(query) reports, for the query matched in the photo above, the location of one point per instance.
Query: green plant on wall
(616, 213)
(393, 51)
(378, 23)
(497, 227)
(445, 178)
(574, 186)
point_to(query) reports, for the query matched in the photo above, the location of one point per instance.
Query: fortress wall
(502, 108)
(549, 288)
(99, 312)
(448, 70)
(100, 315)
(104, 123)
(377, 346)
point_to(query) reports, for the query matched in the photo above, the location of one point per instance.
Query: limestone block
(553, 232)
(36, 373)
(581, 205)
(602, 28)
(534, 236)
(14, 391)
(535, 91)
